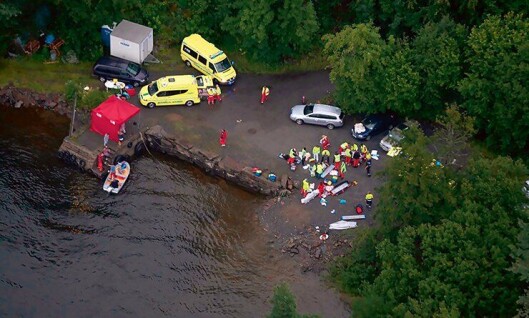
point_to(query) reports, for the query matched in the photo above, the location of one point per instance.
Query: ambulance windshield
(223, 65)
(153, 88)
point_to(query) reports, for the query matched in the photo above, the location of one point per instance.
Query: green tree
(521, 267)
(458, 265)
(354, 55)
(9, 10)
(273, 30)
(284, 304)
(436, 56)
(399, 82)
(408, 16)
(416, 190)
(495, 89)
(451, 140)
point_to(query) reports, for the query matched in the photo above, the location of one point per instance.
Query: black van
(110, 67)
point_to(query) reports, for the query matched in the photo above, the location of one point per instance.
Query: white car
(394, 137)
(317, 114)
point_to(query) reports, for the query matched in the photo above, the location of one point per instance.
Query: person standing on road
(316, 153)
(368, 164)
(265, 91)
(302, 155)
(364, 151)
(337, 161)
(211, 96)
(369, 199)
(356, 159)
(319, 170)
(305, 188)
(223, 137)
(325, 156)
(348, 156)
(324, 142)
(342, 147)
(343, 170)
(218, 93)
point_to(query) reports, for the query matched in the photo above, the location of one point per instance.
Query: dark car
(373, 125)
(109, 67)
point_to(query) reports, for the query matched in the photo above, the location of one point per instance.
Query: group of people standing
(214, 95)
(321, 158)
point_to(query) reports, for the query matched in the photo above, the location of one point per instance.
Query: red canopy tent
(108, 117)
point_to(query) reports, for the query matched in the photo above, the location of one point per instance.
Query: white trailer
(131, 41)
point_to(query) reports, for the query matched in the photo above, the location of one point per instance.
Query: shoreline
(302, 243)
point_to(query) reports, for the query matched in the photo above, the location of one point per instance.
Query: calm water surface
(174, 243)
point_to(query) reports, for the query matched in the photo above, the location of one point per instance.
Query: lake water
(174, 243)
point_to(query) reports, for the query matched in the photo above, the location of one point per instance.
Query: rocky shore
(19, 97)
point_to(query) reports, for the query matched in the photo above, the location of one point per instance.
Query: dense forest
(452, 240)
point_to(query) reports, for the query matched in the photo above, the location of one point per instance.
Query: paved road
(258, 133)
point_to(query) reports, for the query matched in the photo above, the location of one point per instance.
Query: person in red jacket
(264, 94)
(223, 137)
(324, 141)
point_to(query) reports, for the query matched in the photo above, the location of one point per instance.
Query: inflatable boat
(113, 184)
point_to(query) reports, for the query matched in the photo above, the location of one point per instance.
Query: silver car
(317, 114)
(394, 137)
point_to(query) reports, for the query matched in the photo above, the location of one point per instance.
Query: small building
(131, 41)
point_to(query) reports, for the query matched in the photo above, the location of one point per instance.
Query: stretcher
(327, 171)
(353, 217)
(309, 197)
(342, 225)
(340, 188)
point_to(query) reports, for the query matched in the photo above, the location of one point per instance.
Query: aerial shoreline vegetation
(449, 241)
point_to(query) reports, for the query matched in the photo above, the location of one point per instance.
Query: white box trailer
(131, 41)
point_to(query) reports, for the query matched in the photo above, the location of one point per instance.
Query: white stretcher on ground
(353, 217)
(342, 225)
(327, 171)
(309, 197)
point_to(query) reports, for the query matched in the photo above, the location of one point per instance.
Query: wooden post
(73, 115)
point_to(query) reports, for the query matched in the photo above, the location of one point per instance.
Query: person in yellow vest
(348, 156)
(293, 153)
(369, 199)
(316, 153)
(343, 146)
(325, 156)
(218, 93)
(337, 160)
(319, 170)
(264, 94)
(211, 96)
(305, 188)
(354, 147)
(363, 150)
(343, 170)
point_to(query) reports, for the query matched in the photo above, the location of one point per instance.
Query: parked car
(317, 114)
(110, 67)
(373, 125)
(394, 137)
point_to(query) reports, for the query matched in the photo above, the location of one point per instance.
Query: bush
(91, 99)
(71, 88)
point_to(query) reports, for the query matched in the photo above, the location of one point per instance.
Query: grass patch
(170, 56)
(31, 72)
(26, 72)
(309, 62)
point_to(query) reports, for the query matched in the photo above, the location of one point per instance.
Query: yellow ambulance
(170, 90)
(207, 59)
